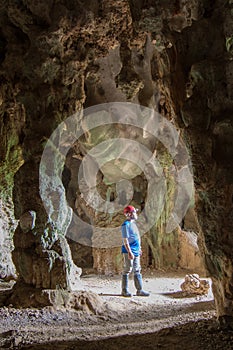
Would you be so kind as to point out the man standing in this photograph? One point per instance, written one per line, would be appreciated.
(131, 249)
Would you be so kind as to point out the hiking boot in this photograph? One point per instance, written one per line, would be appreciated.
(125, 282)
(142, 293)
(138, 285)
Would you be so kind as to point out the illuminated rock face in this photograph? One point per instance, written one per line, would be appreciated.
(173, 56)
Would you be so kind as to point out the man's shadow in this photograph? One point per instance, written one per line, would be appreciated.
(110, 295)
(180, 295)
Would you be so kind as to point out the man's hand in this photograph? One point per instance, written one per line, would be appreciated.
(130, 256)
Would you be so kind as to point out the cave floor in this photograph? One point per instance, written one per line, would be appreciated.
(167, 319)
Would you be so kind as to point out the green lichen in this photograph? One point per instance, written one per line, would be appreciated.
(229, 43)
(157, 238)
(52, 256)
(204, 196)
(131, 89)
(213, 264)
(49, 70)
(13, 160)
(150, 23)
(49, 236)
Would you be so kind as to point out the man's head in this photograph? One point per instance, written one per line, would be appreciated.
(130, 212)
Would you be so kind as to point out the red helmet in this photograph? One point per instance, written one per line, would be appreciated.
(129, 209)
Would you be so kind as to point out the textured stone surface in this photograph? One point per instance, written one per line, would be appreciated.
(189, 252)
(193, 284)
(26, 296)
(7, 226)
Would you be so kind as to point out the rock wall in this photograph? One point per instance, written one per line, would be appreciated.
(12, 121)
(203, 53)
(57, 57)
(29, 69)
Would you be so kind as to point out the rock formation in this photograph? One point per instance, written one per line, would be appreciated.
(58, 57)
(194, 285)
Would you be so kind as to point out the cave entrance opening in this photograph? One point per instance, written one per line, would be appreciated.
(161, 250)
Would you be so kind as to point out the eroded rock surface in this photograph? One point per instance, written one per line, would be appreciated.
(193, 284)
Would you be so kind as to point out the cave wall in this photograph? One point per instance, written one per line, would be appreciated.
(30, 69)
(206, 111)
(59, 56)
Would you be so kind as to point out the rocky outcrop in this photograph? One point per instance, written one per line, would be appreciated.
(189, 252)
(194, 285)
(205, 112)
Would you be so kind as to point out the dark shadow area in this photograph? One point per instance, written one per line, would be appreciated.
(110, 295)
(180, 295)
(190, 336)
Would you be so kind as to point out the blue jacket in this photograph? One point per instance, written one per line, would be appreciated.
(129, 230)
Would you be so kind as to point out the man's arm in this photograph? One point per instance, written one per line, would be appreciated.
(127, 247)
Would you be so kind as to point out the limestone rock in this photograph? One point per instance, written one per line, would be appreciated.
(27, 296)
(27, 220)
(87, 301)
(107, 261)
(194, 285)
(189, 252)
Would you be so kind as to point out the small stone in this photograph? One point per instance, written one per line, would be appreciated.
(194, 285)
(27, 220)
(17, 341)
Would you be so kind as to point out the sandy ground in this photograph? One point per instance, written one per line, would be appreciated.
(167, 319)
